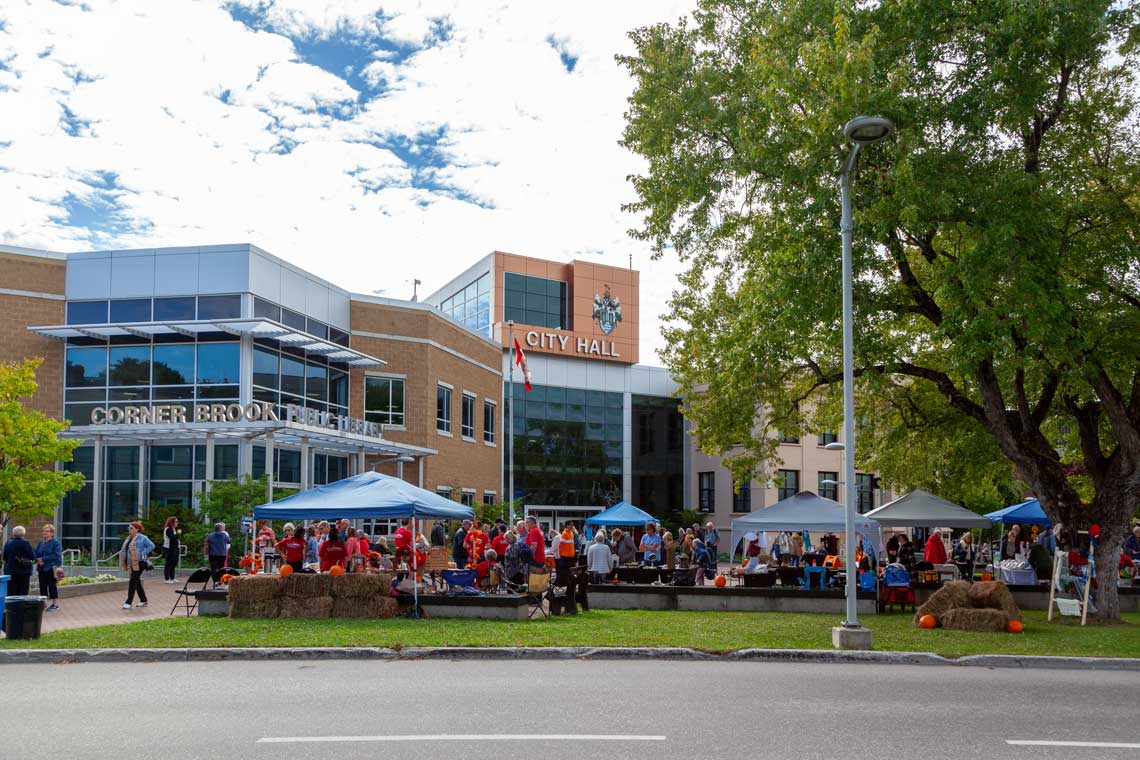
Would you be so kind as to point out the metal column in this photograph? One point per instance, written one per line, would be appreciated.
(142, 502)
(421, 461)
(306, 466)
(269, 474)
(209, 460)
(97, 499)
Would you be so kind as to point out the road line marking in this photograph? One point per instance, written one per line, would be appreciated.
(462, 738)
(1046, 743)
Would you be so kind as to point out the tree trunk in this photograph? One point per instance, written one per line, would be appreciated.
(1113, 523)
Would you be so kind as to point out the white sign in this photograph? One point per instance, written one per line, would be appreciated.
(582, 345)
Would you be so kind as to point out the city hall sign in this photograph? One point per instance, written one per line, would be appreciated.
(258, 411)
(582, 345)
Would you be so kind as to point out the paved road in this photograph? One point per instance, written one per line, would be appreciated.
(178, 711)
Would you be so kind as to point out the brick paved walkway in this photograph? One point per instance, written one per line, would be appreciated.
(106, 608)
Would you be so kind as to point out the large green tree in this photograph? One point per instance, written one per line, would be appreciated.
(997, 307)
(30, 445)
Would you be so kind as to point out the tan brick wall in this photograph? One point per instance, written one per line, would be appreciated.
(459, 463)
(17, 312)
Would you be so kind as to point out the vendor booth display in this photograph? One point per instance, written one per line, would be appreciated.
(962, 606)
(804, 511)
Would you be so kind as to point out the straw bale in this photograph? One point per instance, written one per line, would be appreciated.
(269, 608)
(952, 595)
(306, 585)
(977, 620)
(358, 585)
(311, 607)
(994, 595)
(254, 588)
(384, 607)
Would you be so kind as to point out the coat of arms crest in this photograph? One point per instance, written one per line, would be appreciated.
(607, 311)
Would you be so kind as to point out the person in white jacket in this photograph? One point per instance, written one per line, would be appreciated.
(599, 559)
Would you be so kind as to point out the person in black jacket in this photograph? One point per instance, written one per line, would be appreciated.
(438, 534)
(171, 537)
(458, 550)
(19, 561)
(906, 553)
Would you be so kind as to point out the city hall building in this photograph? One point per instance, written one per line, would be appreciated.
(181, 366)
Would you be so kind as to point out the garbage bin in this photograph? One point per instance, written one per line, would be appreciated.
(23, 616)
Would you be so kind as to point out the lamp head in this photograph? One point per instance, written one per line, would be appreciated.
(868, 129)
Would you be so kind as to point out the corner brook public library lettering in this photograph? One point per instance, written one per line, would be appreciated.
(181, 366)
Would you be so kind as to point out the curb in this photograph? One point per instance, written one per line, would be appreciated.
(819, 656)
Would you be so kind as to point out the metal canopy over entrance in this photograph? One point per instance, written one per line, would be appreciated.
(256, 328)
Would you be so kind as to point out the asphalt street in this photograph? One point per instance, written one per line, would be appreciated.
(648, 710)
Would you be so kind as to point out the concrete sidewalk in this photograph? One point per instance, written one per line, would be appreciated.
(106, 608)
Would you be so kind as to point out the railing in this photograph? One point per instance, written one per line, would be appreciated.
(73, 555)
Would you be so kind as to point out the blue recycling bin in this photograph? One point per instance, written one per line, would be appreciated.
(4, 588)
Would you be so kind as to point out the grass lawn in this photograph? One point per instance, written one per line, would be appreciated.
(707, 631)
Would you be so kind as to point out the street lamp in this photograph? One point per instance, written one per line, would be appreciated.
(862, 130)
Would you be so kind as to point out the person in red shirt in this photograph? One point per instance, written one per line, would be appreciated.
(332, 552)
(536, 541)
(402, 539)
(483, 569)
(499, 542)
(935, 552)
(292, 547)
(475, 543)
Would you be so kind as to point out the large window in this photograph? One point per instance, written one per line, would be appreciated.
(286, 376)
(534, 301)
(658, 460)
(384, 400)
(829, 490)
(706, 492)
(443, 409)
(471, 306)
(825, 438)
(467, 428)
(865, 492)
(742, 497)
(181, 308)
(788, 482)
(568, 446)
(489, 422)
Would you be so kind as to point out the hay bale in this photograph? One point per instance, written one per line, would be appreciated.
(307, 608)
(254, 588)
(359, 585)
(306, 585)
(977, 620)
(994, 595)
(372, 607)
(952, 595)
(269, 608)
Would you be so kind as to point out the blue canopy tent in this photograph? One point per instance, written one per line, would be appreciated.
(370, 495)
(1028, 512)
(622, 513)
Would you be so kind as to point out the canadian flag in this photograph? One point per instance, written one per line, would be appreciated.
(520, 360)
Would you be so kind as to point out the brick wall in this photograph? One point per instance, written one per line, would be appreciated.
(17, 312)
(422, 348)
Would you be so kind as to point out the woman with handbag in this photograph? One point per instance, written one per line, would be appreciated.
(49, 561)
(133, 559)
(19, 559)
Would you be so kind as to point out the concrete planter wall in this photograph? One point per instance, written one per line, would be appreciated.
(735, 599)
(85, 589)
(485, 607)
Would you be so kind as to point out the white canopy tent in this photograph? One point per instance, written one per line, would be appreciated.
(922, 509)
(804, 511)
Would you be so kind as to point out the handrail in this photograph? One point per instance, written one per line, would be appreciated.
(74, 554)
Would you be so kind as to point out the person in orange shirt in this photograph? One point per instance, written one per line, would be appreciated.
(565, 554)
(475, 542)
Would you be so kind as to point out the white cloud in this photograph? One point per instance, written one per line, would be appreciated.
(217, 133)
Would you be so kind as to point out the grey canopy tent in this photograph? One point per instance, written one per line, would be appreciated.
(804, 511)
(922, 509)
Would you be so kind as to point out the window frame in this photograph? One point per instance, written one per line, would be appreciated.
(832, 492)
(706, 493)
(377, 415)
(490, 410)
(782, 488)
(742, 497)
(467, 416)
(443, 410)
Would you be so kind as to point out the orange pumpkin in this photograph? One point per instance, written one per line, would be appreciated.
(1014, 626)
(336, 570)
(286, 570)
(226, 579)
(927, 621)
(720, 581)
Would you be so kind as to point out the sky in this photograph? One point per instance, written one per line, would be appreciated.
(370, 143)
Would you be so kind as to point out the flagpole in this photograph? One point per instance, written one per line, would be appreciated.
(511, 424)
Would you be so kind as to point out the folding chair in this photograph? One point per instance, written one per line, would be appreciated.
(217, 575)
(538, 583)
(185, 594)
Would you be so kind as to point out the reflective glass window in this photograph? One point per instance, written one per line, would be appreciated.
(174, 309)
(218, 363)
(266, 309)
(122, 463)
(266, 365)
(174, 364)
(317, 385)
(338, 387)
(86, 312)
(171, 462)
(130, 310)
(86, 367)
(468, 417)
(443, 409)
(293, 319)
(219, 307)
(171, 494)
(130, 365)
(292, 376)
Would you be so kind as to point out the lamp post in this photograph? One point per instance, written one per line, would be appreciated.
(862, 130)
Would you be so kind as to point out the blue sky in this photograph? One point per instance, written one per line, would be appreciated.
(372, 143)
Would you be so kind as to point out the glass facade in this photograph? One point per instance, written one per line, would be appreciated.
(658, 460)
(471, 306)
(123, 310)
(568, 446)
(177, 369)
(534, 301)
(283, 375)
